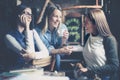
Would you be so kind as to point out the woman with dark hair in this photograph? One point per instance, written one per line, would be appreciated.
(24, 44)
(100, 51)
(49, 30)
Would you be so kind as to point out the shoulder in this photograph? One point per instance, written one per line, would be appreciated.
(37, 29)
(35, 32)
(12, 33)
(110, 42)
(63, 25)
(110, 39)
(9, 37)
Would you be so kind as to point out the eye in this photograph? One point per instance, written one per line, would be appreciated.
(27, 13)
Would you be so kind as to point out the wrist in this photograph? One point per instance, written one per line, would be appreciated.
(64, 45)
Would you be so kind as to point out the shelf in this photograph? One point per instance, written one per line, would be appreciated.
(83, 6)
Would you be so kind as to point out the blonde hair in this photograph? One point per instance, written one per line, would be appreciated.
(98, 18)
(45, 26)
(48, 12)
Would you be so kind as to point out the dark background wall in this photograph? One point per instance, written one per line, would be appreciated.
(7, 8)
(113, 19)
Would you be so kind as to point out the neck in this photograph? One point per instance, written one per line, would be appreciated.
(20, 28)
(94, 34)
(51, 28)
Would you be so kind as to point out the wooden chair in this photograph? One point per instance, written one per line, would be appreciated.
(43, 62)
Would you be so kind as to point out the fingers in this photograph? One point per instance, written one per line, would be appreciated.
(26, 58)
(66, 50)
(84, 69)
(81, 68)
(23, 51)
(25, 20)
(66, 34)
(29, 56)
(79, 65)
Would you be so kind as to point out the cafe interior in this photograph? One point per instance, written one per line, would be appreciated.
(73, 17)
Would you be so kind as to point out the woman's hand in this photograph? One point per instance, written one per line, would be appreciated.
(65, 50)
(81, 68)
(28, 56)
(84, 69)
(65, 36)
(25, 20)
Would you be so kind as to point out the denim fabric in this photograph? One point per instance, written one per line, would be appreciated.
(52, 41)
(19, 37)
(57, 66)
(16, 60)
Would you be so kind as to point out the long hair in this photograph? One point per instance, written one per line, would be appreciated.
(49, 10)
(98, 18)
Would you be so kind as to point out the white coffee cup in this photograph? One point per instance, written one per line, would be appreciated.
(62, 28)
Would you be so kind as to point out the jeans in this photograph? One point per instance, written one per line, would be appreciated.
(57, 66)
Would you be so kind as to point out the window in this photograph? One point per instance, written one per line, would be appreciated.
(74, 24)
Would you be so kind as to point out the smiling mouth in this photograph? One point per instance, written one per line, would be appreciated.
(56, 22)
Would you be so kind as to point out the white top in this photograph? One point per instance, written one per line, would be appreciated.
(93, 52)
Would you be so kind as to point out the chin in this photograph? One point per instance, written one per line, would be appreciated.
(87, 32)
(56, 26)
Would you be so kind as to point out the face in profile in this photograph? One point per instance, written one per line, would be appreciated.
(89, 26)
(55, 18)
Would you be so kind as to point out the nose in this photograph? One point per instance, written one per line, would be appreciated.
(58, 19)
(84, 24)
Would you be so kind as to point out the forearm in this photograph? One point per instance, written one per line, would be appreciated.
(39, 55)
(29, 41)
(104, 70)
(63, 50)
(43, 51)
(55, 51)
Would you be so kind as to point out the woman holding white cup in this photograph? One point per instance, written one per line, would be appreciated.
(63, 33)
(53, 33)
